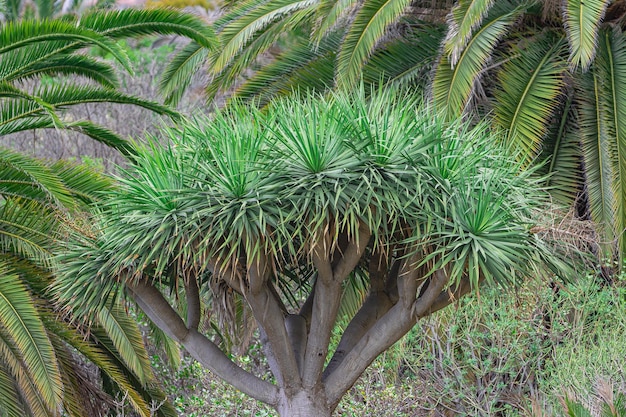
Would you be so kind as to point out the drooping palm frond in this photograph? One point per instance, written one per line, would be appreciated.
(81, 394)
(529, 85)
(125, 335)
(74, 65)
(28, 395)
(406, 61)
(27, 33)
(561, 151)
(609, 72)
(300, 66)
(180, 70)
(464, 18)
(363, 33)
(11, 402)
(237, 33)
(582, 21)
(101, 351)
(452, 87)
(20, 321)
(598, 147)
(328, 14)
(126, 23)
(33, 111)
(84, 184)
(257, 45)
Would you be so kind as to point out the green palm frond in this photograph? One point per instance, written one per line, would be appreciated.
(102, 135)
(78, 65)
(610, 70)
(300, 66)
(16, 35)
(83, 183)
(365, 31)
(582, 23)
(180, 70)
(561, 148)
(328, 15)
(598, 148)
(29, 178)
(237, 33)
(131, 22)
(21, 322)
(79, 396)
(452, 87)
(29, 396)
(61, 96)
(10, 401)
(101, 351)
(529, 87)
(464, 18)
(170, 347)
(125, 335)
(404, 62)
(26, 231)
(258, 44)
(45, 57)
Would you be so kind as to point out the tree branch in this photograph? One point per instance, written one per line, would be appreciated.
(270, 317)
(326, 301)
(384, 333)
(374, 306)
(156, 307)
(447, 297)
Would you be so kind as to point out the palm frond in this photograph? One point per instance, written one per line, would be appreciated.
(82, 395)
(180, 70)
(582, 21)
(82, 182)
(529, 86)
(29, 396)
(610, 64)
(598, 147)
(69, 65)
(29, 178)
(102, 353)
(300, 66)
(452, 87)
(406, 61)
(26, 230)
(328, 14)
(131, 22)
(562, 150)
(102, 135)
(237, 33)
(125, 335)
(61, 96)
(16, 35)
(22, 324)
(10, 400)
(259, 43)
(464, 18)
(365, 31)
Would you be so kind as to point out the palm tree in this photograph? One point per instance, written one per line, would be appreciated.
(47, 362)
(549, 73)
(31, 49)
(308, 196)
(46, 359)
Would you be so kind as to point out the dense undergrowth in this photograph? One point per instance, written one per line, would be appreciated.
(498, 353)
